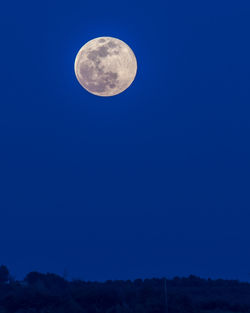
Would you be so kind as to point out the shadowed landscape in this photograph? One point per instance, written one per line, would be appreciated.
(51, 293)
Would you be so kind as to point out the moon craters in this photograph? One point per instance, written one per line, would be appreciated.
(105, 66)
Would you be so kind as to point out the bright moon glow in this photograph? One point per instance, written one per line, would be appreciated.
(105, 66)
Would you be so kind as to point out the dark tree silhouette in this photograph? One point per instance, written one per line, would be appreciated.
(4, 274)
(50, 293)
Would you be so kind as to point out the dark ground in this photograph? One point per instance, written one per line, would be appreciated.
(50, 293)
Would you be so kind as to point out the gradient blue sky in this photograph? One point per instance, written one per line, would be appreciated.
(152, 182)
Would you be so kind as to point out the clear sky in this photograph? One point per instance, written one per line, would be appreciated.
(152, 182)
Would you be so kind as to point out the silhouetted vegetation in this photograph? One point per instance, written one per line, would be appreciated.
(50, 293)
(4, 274)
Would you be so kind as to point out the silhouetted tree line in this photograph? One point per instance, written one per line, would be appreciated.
(50, 293)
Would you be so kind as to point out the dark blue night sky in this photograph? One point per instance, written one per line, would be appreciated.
(153, 182)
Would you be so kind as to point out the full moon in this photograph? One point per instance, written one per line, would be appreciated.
(105, 66)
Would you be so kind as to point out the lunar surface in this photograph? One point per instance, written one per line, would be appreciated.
(105, 66)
